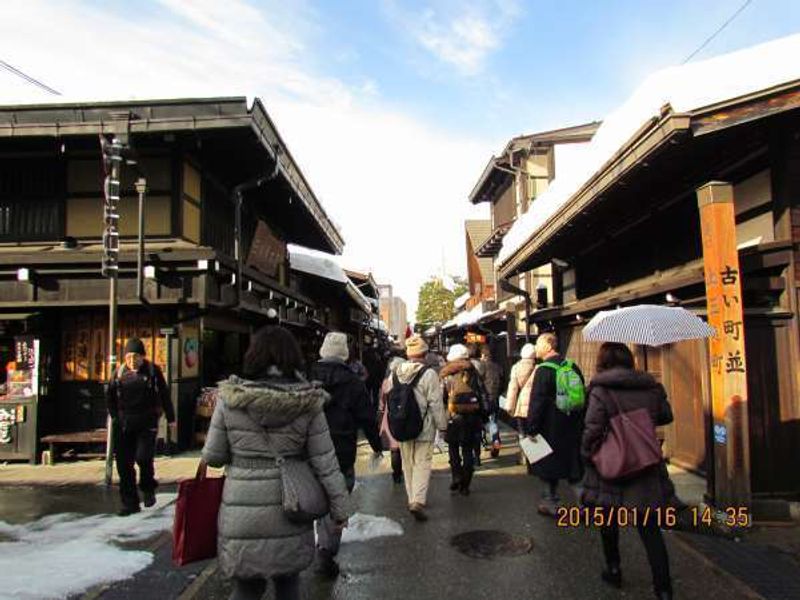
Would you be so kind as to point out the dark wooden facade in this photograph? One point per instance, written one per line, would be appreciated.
(632, 235)
(201, 302)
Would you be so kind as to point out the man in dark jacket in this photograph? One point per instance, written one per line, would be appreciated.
(561, 430)
(348, 410)
(137, 396)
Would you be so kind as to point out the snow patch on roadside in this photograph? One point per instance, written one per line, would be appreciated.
(68, 553)
(364, 527)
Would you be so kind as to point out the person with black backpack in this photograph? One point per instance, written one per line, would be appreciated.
(466, 409)
(414, 413)
(137, 396)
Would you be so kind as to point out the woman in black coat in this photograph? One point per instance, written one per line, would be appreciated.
(618, 386)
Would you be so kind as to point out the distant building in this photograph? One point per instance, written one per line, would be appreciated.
(393, 312)
(510, 184)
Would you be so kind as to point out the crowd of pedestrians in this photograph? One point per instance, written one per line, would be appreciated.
(273, 414)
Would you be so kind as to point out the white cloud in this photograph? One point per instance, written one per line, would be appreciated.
(458, 35)
(396, 185)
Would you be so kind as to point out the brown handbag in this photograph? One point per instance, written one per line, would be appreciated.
(630, 445)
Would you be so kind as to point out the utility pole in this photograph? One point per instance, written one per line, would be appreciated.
(112, 157)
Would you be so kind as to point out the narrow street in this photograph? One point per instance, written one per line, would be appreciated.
(386, 553)
(271, 241)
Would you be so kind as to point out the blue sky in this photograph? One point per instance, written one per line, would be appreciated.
(543, 64)
(391, 107)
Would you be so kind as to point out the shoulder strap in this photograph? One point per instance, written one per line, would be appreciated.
(418, 376)
(271, 452)
(531, 376)
(551, 365)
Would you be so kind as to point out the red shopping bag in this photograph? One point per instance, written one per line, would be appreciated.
(194, 534)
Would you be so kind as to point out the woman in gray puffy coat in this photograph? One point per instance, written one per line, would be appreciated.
(256, 540)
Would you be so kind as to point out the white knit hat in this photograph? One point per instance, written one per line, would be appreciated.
(528, 351)
(335, 346)
(457, 352)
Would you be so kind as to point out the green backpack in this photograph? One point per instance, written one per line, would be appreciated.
(570, 391)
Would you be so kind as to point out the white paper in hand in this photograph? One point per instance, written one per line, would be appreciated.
(503, 402)
(535, 448)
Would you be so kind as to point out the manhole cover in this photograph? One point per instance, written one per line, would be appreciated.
(490, 544)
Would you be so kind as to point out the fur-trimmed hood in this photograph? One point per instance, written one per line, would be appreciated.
(457, 366)
(273, 402)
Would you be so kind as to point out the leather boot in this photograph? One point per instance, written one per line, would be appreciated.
(612, 575)
(326, 564)
(465, 483)
(457, 475)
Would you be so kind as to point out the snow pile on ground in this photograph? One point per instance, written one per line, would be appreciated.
(364, 527)
(64, 554)
(686, 88)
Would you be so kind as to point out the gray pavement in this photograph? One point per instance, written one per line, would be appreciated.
(422, 564)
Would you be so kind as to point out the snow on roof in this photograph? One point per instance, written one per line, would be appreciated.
(316, 263)
(322, 264)
(470, 317)
(459, 302)
(686, 88)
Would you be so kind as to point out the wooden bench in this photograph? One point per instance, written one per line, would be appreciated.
(97, 436)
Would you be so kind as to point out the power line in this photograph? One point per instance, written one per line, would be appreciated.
(14, 71)
(718, 31)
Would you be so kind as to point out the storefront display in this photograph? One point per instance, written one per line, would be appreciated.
(18, 407)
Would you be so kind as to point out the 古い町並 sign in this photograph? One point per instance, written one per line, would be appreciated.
(728, 365)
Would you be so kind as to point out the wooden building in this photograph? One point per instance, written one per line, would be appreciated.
(631, 234)
(510, 183)
(207, 285)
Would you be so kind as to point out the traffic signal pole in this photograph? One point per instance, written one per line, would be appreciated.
(112, 155)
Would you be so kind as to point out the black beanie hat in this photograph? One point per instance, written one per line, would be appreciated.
(134, 345)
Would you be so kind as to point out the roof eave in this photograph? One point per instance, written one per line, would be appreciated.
(265, 129)
(231, 113)
(650, 136)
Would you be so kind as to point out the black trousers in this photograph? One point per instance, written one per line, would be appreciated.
(397, 464)
(134, 446)
(462, 460)
(654, 546)
(287, 587)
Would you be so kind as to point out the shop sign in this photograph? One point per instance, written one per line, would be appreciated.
(23, 381)
(190, 350)
(267, 252)
(475, 338)
(720, 434)
(8, 418)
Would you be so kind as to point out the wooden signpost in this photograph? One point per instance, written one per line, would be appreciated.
(727, 349)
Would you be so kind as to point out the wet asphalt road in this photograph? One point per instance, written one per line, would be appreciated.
(422, 564)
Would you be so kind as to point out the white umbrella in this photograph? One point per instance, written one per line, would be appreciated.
(646, 324)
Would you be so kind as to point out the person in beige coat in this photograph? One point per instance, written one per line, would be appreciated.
(520, 385)
(417, 454)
